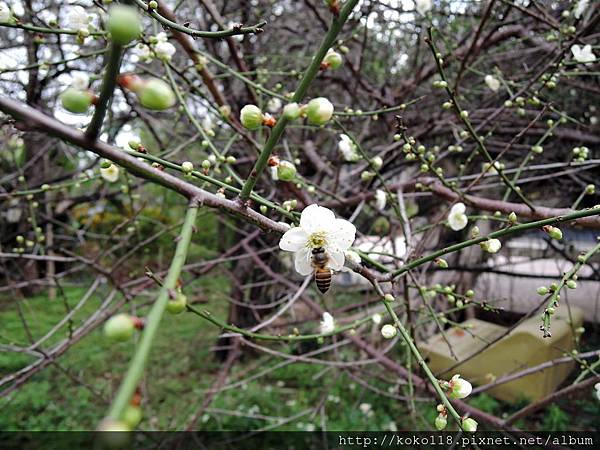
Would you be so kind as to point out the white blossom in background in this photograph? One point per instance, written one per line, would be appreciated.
(110, 173)
(274, 105)
(77, 18)
(492, 82)
(380, 199)
(318, 229)
(422, 6)
(4, 12)
(376, 318)
(347, 149)
(327, 324)
(457, 219)
(80, 81)
(580, 8)
(366, 409)
(583, 54)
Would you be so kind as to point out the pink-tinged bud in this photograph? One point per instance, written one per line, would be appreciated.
(460, 388)
(553, 232)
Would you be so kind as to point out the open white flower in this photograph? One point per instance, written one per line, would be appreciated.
(347, 148)
(327, 324)
(580, 8)
(380, 199)
(422, 6)
(457, 219)
(274, 105)
(80, 81)
(492, 82)
(4, 12)
(318, 229)
(583, 55)
(460, 388)
(110, 173)
(77, 18)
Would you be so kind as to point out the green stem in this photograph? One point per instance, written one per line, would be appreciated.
(138, 363)
(108, 86)
(299, 94)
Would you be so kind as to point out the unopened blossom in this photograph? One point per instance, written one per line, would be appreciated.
(422, 6)
(491, 245)
(352, 256)
(492, 82)
(144, 52)
(460, 388)
(492, 168)
(389, 331)
(164, 50)
(376, 318)
(318, 229)
(4, 12)
(319, 111)
(327, 325)
(347, 148)
(274, 105)
(583, 54)
(580, 8)
(110, 173)
(380, 199)
(77, 18)
(469, 425)
(457, 219)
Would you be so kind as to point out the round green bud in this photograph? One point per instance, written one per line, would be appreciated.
(537, 149)
(508, 104)
(76, 101)
(132, 416)
(446, 105)
(512, 217)
(333, 59)
(571, 284)
(155, 94)
(470, 293)
(388, 298)
(553, 232)
(550, 310)
(263, 209)
(251, 117)
(319, 111)
(440, 422)
(441, 263)
(286, 171)
(178, 304)
(542, 290)
(291, 111)
(119, 327)
(590, 189)
(469, 425)
(187, 167)
(464, 114)
(123, 24)
(153, 4)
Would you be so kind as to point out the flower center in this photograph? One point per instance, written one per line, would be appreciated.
(317, 240)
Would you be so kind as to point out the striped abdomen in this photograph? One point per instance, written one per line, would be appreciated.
(323, 279)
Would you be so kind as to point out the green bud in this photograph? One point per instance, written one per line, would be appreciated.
(590, 189)
(388, 298)
(123, 24)
(441, 263)
(469, 425)
(132, 415)
(251, 117)
(553, 232)
(119, 327)
(333, 59)
(263, 209)
(512, 218)
(286, 171)
(319, 111)
(76, 101)
(542, 290)
(187, 167)
(440, 422)
(178, 304)
(155, 94)
(291, 111)
(571, 284)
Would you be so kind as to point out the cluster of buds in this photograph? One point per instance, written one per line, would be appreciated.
(121, 327)
(580, 153)
(153, 93)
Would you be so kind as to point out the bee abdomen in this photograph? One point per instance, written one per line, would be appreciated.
(323, 279)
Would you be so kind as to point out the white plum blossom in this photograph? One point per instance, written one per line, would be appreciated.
(492, 82)
(77, 18)
(164, 50)
(327, 324)
(80, 81)
(457, 219)
(422, 6)
(460, 388)
(144, 52)
(580, 8)
(347, 148)
(274, 105)
(583, 54)
(4, 12)
(380, 199)
(110, 173)
(376, 318)
(318, 229)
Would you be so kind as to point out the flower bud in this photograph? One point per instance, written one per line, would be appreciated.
(469, 425)
(553, 232)
(178, 304)
(119, 327)
(319, 111)
(291, 111)
(590, 189)
(440, 422)
(377, 162)
(187, 167)
(263, 209)
(441, 263)
(156, 94)
(389, 331)
(571, 284)
(512, 218)
(388, 298)
(286, 171)
(132, 416)
(464, 114)
(491, 245)
(542, 290)
(251, 117)
(333, 60)
(76, 101)
(123, 24)
(460, 388)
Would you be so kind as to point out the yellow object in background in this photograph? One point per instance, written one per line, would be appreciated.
(522, 348)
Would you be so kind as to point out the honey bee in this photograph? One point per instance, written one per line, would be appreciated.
(322, 272)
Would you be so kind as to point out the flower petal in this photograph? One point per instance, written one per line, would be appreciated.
(336, 259)
(458, 208)
(293, 240)
(316, 218)
(341, 234)
(302, 262)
